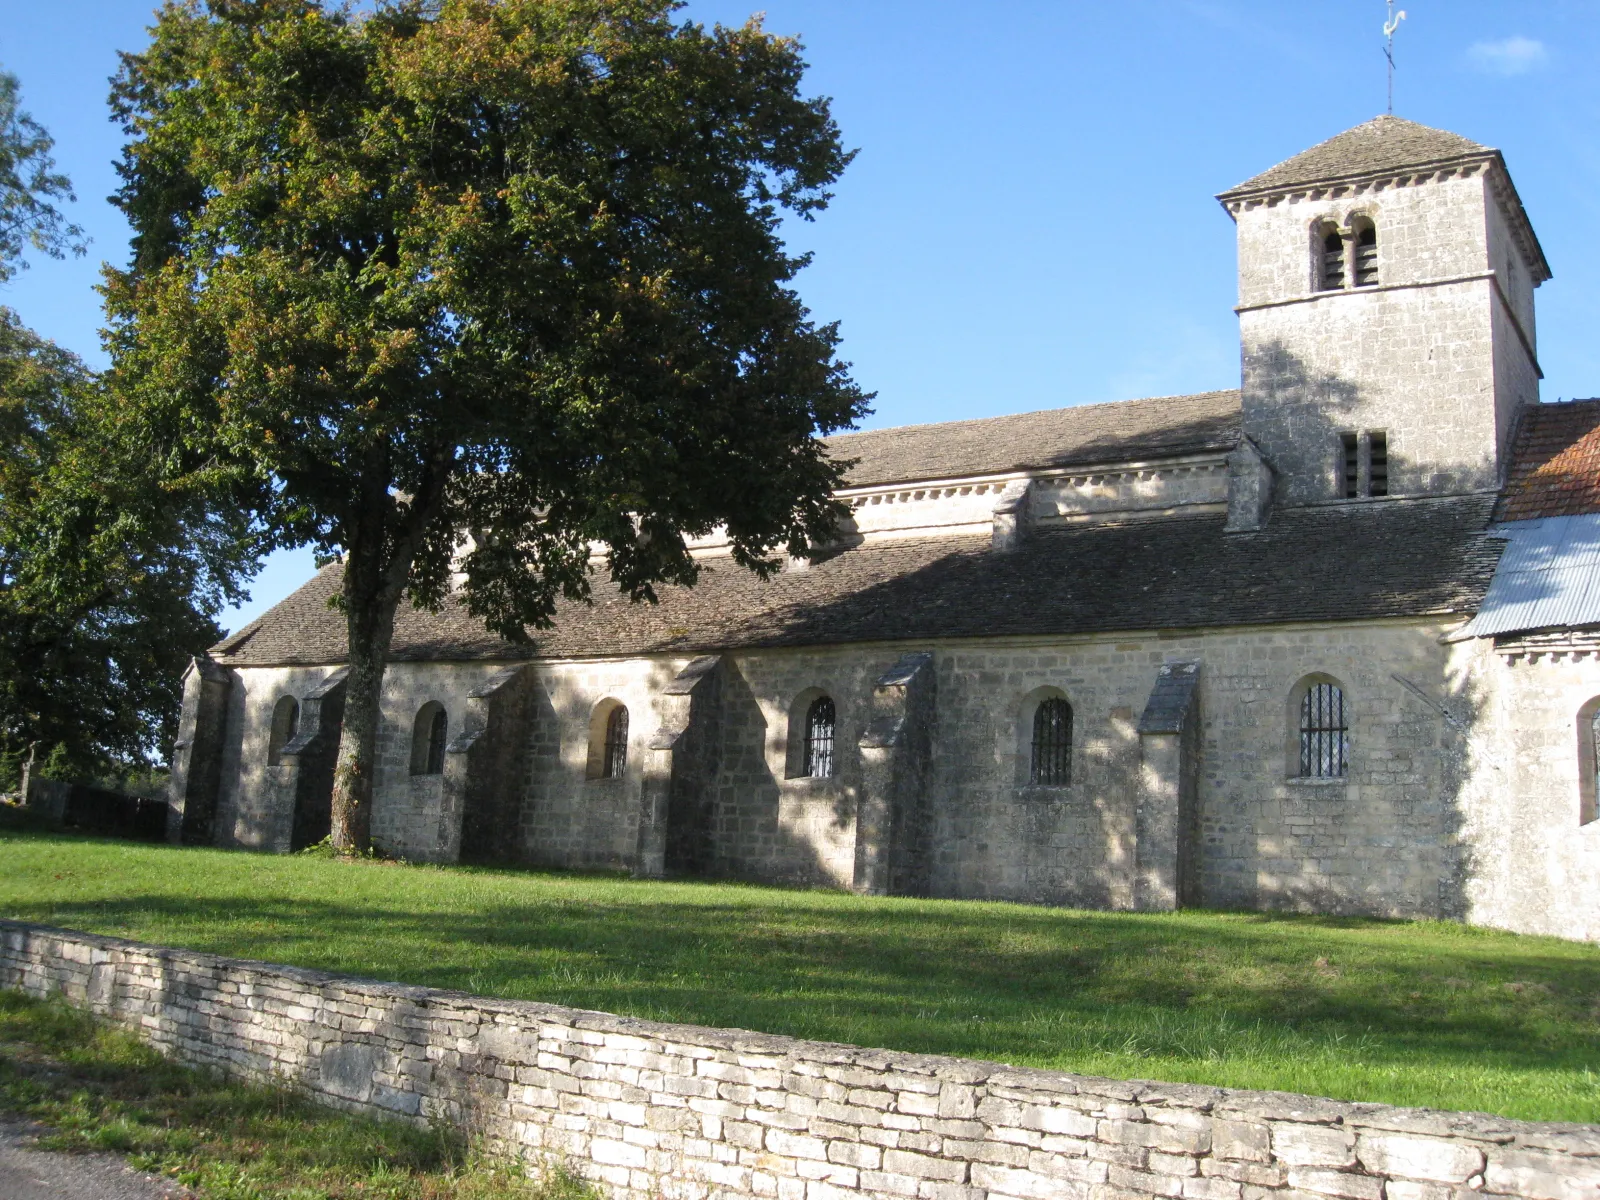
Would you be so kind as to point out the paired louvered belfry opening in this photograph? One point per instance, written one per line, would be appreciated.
(1347, 257)
(1332, 261)
(1366, 464)
(1366, 254)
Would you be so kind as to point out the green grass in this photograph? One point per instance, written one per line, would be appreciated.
(99, 1088)
(1403, 1012)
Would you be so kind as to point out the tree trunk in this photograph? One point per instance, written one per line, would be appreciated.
(369, 622)
(377, 569)
(371, 629)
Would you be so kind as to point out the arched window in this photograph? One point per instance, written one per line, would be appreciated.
(817, 760)
(1324, 732)
(1331, 246)
(1589, 761)
(1594, 773)
(285, 724)
(1366, 251)
(428, 737)
(616, 746)
(1051, 761)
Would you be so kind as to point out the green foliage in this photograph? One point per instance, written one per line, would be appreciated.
(498, 270)
(108, 580)
(1403, 1012)
(99, 1088)
(29, 187)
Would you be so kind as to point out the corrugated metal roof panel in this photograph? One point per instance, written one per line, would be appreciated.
(1548, 577)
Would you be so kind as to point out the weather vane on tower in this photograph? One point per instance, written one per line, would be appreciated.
(1389, 27)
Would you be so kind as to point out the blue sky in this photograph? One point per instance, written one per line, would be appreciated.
(1029, 223)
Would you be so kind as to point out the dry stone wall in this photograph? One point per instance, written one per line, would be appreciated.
(675, 1112)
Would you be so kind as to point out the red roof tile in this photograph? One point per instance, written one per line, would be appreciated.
(1555, 463)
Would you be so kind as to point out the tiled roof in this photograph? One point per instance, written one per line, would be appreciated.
(1384, 143)
(1058, 437)
(1325, 563)
(1555, 462)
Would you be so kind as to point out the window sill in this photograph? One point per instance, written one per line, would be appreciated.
(1043, 791)
(1312, 781)
(819, 782)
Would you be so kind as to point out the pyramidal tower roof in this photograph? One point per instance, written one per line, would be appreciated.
(1384, 143)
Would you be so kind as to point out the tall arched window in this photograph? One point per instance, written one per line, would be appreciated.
(1331, 244)
(1051, 762)
(1324, 732)
(1589, 761)
(616, 746)
(429, 734)
(1366, 251)
(285, 724)
(817, 762)
(1594, 758)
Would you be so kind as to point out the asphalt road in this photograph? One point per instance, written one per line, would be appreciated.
(27, 1173)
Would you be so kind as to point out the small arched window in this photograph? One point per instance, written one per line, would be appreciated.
(428, 737)
(817, 760)
(1331, 247)
(1324, 732)
(615, 763)
(1051, 762)
(1366, 251)
(1589, 761)
(285, 724)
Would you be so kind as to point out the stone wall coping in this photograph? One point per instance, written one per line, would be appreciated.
(780, 1052)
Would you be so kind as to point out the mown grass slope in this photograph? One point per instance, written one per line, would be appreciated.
(1403, 1012)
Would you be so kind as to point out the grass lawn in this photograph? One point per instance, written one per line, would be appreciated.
(98, 1088)
(1404, 1012)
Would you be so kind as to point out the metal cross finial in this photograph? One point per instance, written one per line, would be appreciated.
(1389, 27)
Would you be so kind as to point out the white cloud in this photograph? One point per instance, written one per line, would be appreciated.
(1509, 56)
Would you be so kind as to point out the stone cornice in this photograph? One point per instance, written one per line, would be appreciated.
(1463, 166)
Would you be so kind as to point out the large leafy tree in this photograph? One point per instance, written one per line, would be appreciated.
(108, 581)
(477, 286)
(30, 188)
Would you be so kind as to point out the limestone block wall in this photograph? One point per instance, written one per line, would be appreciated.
(252, 812)
(406, 808)
(679, 1112)
(1531, 862)
(570, 816)
(1417, 363)
(770, 822)
(1439, 355)
(1388, 839)
(1429, 230)
(1381, 841)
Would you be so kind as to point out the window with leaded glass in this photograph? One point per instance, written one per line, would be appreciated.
(817, 762)
(616, 747)
(1324, 733)
(1052, 743)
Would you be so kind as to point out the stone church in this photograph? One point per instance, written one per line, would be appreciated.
(1327, 642)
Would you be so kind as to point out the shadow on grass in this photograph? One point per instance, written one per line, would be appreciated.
(990, 981)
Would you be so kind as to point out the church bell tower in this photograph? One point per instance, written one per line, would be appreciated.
(1386, 319)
